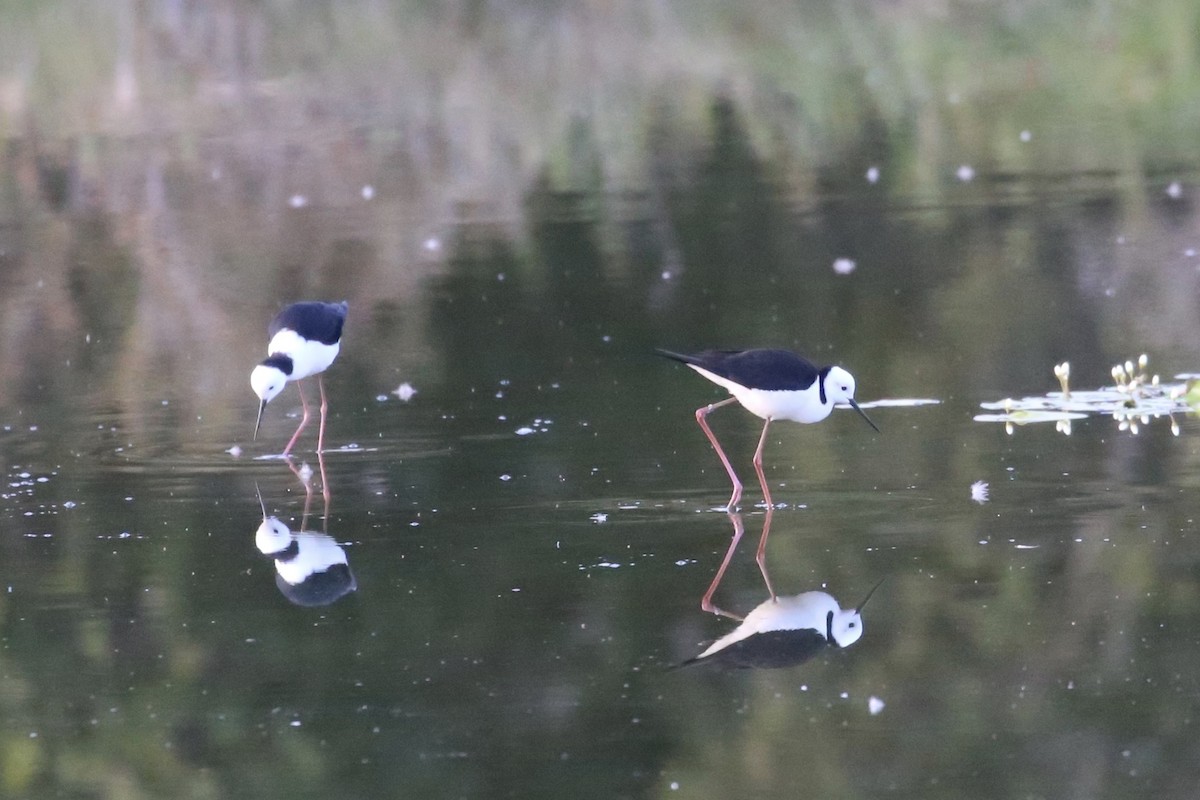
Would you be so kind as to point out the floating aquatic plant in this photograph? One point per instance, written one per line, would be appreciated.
(1136, 398)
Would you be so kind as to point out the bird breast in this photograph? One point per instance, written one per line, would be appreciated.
(308, 358)
(794, 406)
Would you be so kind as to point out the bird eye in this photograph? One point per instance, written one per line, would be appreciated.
(853, 624)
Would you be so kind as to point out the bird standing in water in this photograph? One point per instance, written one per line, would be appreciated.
(304, 340)
(772, 384)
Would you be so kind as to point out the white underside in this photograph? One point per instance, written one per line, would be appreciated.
(797, 406)
(308, 358)
(797, 612)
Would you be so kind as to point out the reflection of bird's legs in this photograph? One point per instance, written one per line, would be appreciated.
(324, 407)
(706, 603)
(762, 479)
(703, 412)
(303, 420)
(324, 490)
(306, 482)
(761, 556)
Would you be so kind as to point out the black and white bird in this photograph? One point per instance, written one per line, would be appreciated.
(311, 568)
(304, 340)
(771, 384)
(787, 631)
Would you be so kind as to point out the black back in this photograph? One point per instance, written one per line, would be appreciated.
(314, 321)
(771, 370)
(768, 650)
(319, 588)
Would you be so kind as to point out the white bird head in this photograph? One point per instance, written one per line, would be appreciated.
(267, 380)
(839, 388)
(272, 535)
(845, 626)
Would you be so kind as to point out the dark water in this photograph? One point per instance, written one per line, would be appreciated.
(530, 534)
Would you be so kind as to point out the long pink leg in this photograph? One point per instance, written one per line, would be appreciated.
(706, 603)
(762, 479)
(324, 407)
(703, 412)
(761, 555)
(303, 421)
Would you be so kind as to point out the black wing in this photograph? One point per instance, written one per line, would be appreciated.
(769, 650)
(315, 321)
(771, 370)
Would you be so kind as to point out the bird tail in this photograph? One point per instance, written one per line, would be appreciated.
(680, 357)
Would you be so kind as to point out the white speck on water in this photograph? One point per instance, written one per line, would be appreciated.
(1190, 252)
(368, 191)
(965, 173)
(666, 274)
(599, 517)
(295, 723)
(405, 391)
(432, 244)
(306, 472)
(1026, 136)
(979, 492)
(674, 786)
(506, 477)
(297, 201)
(875, 705)
(381, 398)
(606, 338)
(844, 695)
(1175, 190)
(844, 266)
(1027, 546)
(524, 430)
(872, 174)
(69, 504)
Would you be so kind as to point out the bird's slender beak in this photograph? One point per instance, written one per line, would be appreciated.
(261, 504)
(263, 405)
(868, 597)
(863, 414)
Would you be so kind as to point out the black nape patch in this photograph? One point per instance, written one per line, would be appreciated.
(280, 362)
(823, 375)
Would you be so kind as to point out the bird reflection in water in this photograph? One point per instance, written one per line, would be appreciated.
(311, 568)
(781, 631)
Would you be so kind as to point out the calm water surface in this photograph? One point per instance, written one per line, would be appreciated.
(529, 535)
